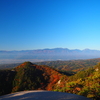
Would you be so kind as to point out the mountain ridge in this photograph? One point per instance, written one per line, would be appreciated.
(86, 49)
(29, 76)
(50, 54)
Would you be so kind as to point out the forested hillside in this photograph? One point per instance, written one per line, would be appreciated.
(71, 65)
(29, 76)
(86, 83)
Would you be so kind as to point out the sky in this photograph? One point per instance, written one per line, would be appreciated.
(40, 24)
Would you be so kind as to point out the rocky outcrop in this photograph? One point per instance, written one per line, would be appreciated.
(42, 95)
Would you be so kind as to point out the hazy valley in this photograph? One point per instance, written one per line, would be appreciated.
(47, 55)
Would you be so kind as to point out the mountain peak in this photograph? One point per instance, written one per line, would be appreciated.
(25, 64)
(28, 63)
(35, 77)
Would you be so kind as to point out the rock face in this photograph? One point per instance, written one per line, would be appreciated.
(42, 95)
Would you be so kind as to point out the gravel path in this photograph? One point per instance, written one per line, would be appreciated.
(42, 95)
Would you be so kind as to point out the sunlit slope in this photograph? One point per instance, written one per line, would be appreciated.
(28, 76)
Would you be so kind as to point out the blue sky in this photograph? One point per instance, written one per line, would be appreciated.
(40, 24)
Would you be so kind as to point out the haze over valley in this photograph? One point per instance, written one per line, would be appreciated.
(47, 55)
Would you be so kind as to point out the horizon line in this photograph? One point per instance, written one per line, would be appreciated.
(51, 49)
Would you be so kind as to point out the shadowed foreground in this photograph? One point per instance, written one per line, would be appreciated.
(42, 95)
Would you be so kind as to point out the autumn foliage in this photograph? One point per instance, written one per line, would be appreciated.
(29, 76)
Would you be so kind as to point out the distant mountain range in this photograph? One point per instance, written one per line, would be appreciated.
(50, 54)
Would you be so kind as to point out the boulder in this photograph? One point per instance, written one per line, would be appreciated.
(42, 95)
